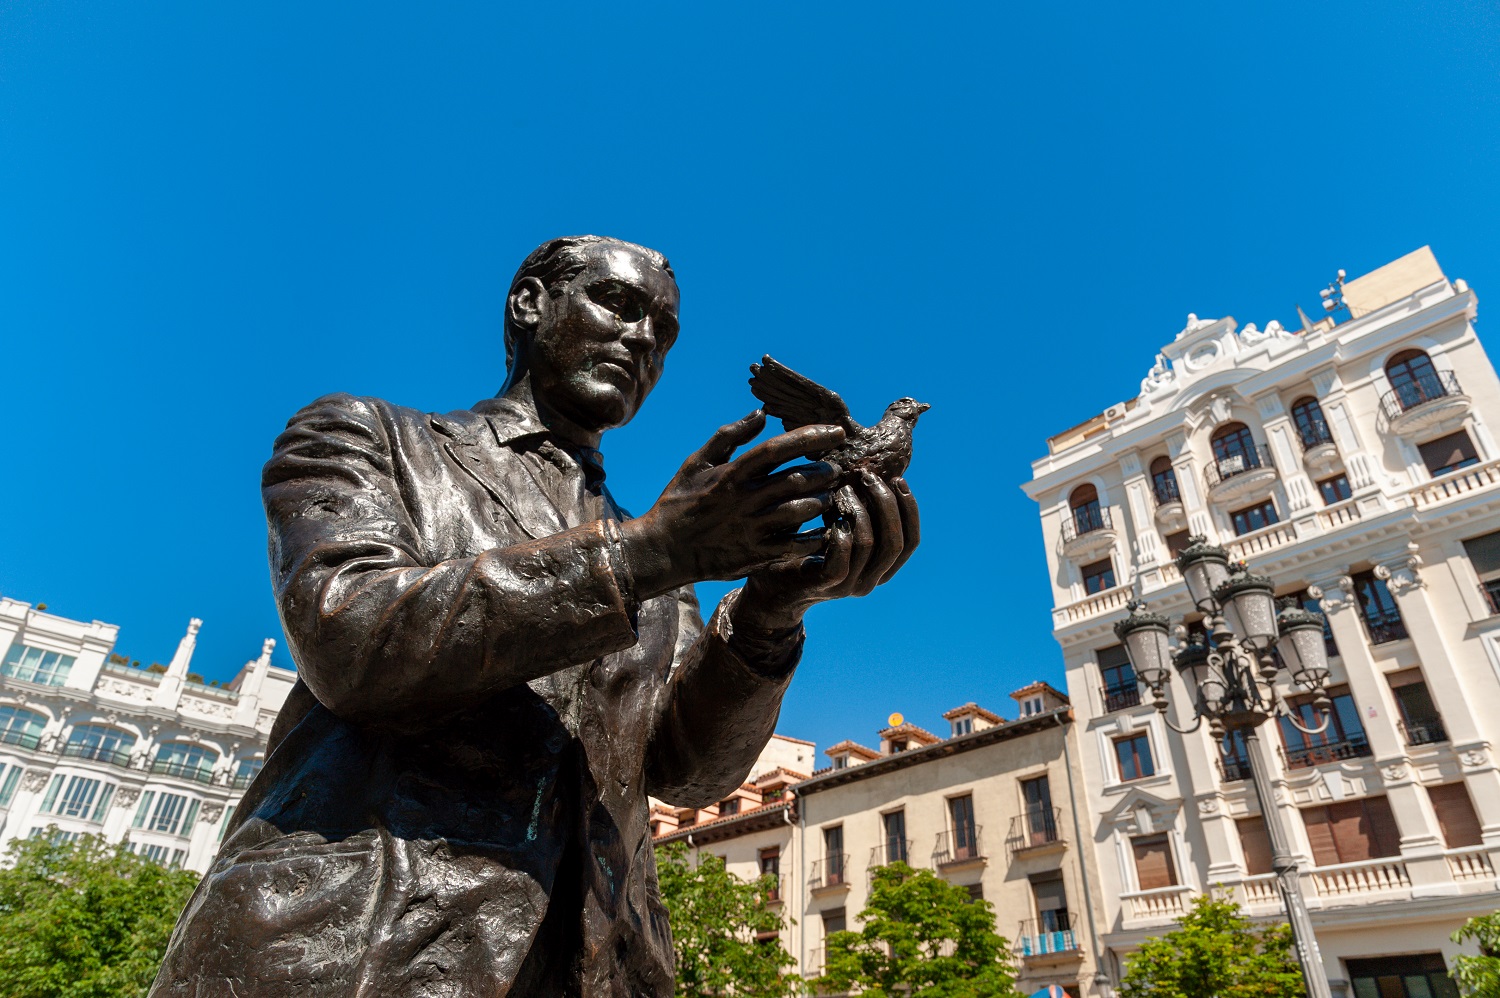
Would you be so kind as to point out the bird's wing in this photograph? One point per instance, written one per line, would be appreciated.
(797, 400)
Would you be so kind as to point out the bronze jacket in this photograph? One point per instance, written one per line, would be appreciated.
(454, 797)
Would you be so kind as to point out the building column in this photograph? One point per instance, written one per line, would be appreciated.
(1145, 543)
(1188, 485)
(1285, 453)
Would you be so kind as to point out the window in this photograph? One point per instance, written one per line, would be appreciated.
(21, 727)
(246, 770)
(965, 832)
(1420, 721)
(8, 787)
(1087, 514)
(1134, 757)
(770, 862)
(1344, 738)
(224, 825)
(1335, 489)
(1031, 706)
(1413, 379)
(84, 798)
(1098, 576)
(833, 921)
(164, 812)
(33, 665)
(841, 762)
(1484, 556)
(1177, 542)
(185, 759)
(1448, 453)
(833, 854)
(1234, 756)
(976, 892)
(100, 742)
(1262, 514)
(1051, 901)
(1164, 481)
(1312, 428)
(1154, 868)
(898, 745)
(1120, 689)
(1351, 831)
(1255, 843)
(1422, 976)
(895, 836)
(1378, 607)
(1234, 450)
(963, 726)
(1040, 816)
(1456, 815)
(728, 807)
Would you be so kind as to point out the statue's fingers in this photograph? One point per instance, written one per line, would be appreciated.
(861, 537)
(728, 438)
(885, 523)
(804, 441)
(911, 526)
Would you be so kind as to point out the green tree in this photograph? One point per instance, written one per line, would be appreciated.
(716, 921)
(84, 919)
(1479, 976)
(922, 937)
(1215, 951)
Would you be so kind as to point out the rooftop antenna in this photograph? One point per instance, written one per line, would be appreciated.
(1333, 297)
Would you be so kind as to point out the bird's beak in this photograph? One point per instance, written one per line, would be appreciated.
(922, 407)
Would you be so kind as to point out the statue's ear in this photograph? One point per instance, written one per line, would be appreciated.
(527, 303)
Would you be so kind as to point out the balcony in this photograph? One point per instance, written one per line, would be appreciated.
(1087, 532)
(1242, 476)
(1170, 514)
(1423, 730)
(957, 849)
(1426, 406)
(97, 753)
(1048, 938)
(1318, 755)
(890, 851)
(1232, 768)
(1377, 876)
(1164, 904)
(1120, 697)
(829, 873)
(24, 739)
(1319, 455)
(1035, 830)
(183, 770)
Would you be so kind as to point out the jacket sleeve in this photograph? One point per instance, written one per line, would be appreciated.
(719, 706)
(384, 639)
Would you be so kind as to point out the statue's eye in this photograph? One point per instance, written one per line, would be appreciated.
(619, 299)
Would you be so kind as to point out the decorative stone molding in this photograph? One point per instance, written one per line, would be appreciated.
(1209, 806)
(127, 796)
(1474, 757)
(34, 780)
(1394, 773)
(1406, 574)
(210, 813)
(1335, 598)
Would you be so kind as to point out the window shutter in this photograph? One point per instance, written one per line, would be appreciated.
(1320, 836)
(1153, 862)
(1484, 553)
(1455, 815)
(1256, 844)
(1446, 452)
(1385, 837)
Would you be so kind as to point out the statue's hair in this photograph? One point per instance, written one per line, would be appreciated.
(555, 263)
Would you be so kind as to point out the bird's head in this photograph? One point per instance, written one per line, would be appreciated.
(908, 409)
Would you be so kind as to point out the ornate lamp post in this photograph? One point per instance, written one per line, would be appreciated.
(1231, 674)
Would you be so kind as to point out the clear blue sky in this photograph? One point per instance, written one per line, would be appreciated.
(213, 213)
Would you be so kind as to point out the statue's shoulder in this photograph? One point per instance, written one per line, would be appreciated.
(360, 409)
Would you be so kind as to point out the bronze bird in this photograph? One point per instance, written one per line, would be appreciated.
(797, 400)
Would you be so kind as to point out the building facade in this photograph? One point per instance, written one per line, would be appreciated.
(986, 804)
(1354, 462)
(90, 744)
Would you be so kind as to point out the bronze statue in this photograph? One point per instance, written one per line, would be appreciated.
(497, 665)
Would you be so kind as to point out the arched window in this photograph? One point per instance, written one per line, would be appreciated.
(21, 727)
(1087, 514)
(1311, 426)
(186, 759)
(246, 770)
(101, 742)
(1164, 481)
(1234, 449)
(1413, 378)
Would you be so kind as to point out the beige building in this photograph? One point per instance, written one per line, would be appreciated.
(1353, 461)
(985, 803)
(153, 756)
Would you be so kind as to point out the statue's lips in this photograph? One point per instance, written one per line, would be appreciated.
(617, 372)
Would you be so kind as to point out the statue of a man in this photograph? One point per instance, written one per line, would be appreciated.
(497, 665)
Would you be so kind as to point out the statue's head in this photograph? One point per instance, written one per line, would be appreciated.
(590, 320)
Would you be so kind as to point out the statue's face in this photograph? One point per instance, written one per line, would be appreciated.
(599, 347)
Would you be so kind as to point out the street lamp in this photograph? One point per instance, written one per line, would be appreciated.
(1231, 672)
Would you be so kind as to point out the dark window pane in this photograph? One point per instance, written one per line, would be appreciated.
(1381, 615)
(1254, 518)
(1335, 489)
(1448, 453)
(1311, 426)
(1098, 576)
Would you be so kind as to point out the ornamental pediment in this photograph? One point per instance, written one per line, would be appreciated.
(1141, 812)
(1210, 348)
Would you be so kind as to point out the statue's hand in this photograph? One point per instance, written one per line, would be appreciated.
(872, 529)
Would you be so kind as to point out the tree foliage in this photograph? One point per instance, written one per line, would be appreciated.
(716, 919)
(1479, 976)
(84, 919)
(1215, 951)
(922, 937)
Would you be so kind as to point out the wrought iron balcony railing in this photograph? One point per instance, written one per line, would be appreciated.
(1165, 490)
(958, 845)
(1234, 768)
(25, 739)
(1086, 520)
(1385, 627)
(1316, 755)
(1314, 433)
(1120, 697)
(1035, 827)
(890, 851)
(830, 871)
(185, 770)
(98, 753)
(1053, 933)
(1226, 467)
(1424, 730)
(1418, 392)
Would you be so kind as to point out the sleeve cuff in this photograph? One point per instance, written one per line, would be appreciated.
(771, 654)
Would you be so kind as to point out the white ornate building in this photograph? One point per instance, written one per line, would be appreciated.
(1354, 462)
(93, 745)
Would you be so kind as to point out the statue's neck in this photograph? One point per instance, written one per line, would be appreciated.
(519, 390)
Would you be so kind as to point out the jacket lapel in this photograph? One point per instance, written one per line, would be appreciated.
(474, 443)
